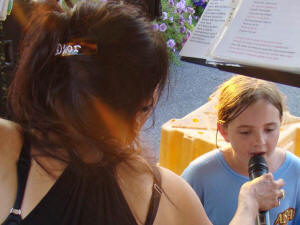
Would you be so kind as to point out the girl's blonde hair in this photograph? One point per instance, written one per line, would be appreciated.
(236, 94)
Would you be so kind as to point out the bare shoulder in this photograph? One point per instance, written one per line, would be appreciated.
(7, 125)
(180, 200)
(10, 145)
(173, 182)
(10, 140)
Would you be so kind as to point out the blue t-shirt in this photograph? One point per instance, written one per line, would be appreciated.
(218, 186)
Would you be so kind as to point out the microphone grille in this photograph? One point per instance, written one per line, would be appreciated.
(257, 162)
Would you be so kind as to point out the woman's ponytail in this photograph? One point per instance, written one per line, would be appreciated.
(46, 28)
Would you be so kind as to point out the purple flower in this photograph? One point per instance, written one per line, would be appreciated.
(188, 34)
(190, 10)
(182, 29)
(180, 6)
(164, 15)
(181, 20)
(195, 17)
(201, 3)
(190, 20)
(171, 2)
(163, 27)
(171, 19)
(155, 26)
(186, 37)
(171, 43)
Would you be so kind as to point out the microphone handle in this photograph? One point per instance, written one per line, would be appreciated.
(263, 218)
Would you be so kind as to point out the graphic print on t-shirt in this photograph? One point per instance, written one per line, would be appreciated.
(284, 217)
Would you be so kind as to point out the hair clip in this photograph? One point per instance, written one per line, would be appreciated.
(75, 48)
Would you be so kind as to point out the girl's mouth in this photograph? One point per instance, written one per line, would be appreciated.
(257, 153)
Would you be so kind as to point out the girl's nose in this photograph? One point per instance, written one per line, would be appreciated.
(260, 138)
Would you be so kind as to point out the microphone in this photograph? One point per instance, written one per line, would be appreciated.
(257, 167)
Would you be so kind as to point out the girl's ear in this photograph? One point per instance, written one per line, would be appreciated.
(223, 131)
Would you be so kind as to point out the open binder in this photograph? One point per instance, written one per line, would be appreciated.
(258, 38)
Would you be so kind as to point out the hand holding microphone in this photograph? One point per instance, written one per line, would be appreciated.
(272, 193)
(257, 167)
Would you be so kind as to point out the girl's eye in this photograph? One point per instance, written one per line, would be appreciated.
(270, 129)
(246, 132)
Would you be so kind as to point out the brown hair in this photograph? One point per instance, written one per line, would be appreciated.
(236, 94)
(89, 100)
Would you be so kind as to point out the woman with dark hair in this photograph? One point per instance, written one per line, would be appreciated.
(85, 83)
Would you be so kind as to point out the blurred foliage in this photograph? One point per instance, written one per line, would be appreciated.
(177, 22)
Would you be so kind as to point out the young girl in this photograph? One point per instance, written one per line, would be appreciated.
(86, 81)
(249, 115)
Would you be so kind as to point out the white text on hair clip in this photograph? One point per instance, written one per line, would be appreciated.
(67, 49)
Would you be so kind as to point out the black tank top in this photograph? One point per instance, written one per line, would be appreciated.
(82, 195)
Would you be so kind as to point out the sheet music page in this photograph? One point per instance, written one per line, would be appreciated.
(208, 26)
(263, 33)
